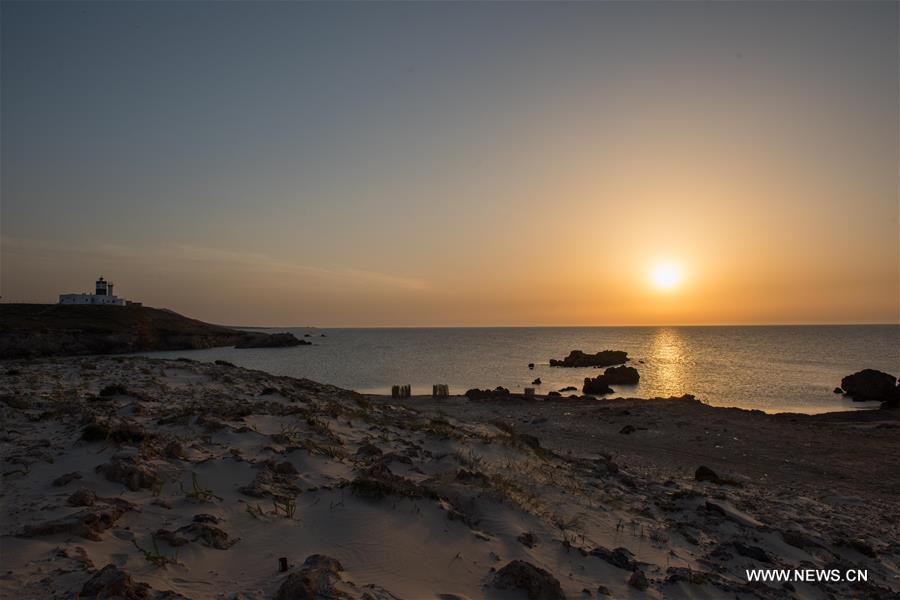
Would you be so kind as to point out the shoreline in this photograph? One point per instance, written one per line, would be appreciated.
(197, 477)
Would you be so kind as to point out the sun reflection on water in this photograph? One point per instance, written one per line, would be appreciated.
(668, 351)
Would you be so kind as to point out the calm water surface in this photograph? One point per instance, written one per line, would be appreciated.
(771, 368)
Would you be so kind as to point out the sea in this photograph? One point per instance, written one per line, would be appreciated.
(769, 368)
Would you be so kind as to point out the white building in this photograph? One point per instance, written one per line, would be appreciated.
(103, 294)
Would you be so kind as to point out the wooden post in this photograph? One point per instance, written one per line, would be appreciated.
(529, 392)
(282, 564)
(395, 391)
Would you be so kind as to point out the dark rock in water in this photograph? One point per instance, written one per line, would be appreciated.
(112, 582)
(554, 394)
(536, 582)
(619, 557)
(315, 579)
(224, 363)
(597, 385)
(838, 390)
(530, 365)
(569, 388)
(527, 539)
(621, 375)
(706, 474)
(271, 340)
(536, 381)
(476, 394)
(872, 385)
(628, 429)
(605, 358)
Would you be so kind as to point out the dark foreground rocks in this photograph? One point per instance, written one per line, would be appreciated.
(535, 581)
(604, 358)
(612, 376)
(871, 385)
(315, 579)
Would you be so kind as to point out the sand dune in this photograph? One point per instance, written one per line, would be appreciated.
(197, 478)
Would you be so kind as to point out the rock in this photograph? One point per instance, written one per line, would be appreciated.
(569, 388)
(596, 385)
(88, 523)
(628, 429)
(838, 390)
(83, 497)
(623, 375)
(208, 535)
(224, 363)
(605, 358)
(527, 539)
(536, 381)
(115, 389)
(496, 393)
(554, 394)
(754, 552)
(536, 582)
(171, 538)
(314, 581)
(619, 557)
(206, 518)
(530, 365)
(706, 474)
(871, 385)
(271, 340)
(638, 581)
(368, 450)
(112, 582)
(129, 470)
(66, 479)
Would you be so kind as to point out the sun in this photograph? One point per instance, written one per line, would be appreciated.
(666, 276)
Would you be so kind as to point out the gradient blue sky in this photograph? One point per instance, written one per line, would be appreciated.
(455, 164)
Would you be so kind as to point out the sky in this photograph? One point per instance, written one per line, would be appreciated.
(455, 164)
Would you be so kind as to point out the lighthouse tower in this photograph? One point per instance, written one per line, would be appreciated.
(104, 288)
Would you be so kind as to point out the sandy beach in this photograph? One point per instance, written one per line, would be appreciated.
(144, 478)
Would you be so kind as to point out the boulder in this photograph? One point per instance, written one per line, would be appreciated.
(706, 474)
(83, 497)
(536, 381)
(623, 375)
(597, 385)
(871, 385)
(112, 582)
(537, 583)
(130, 470)
(315, 580)
(605, 358)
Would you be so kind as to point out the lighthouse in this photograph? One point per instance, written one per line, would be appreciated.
(103, 294)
